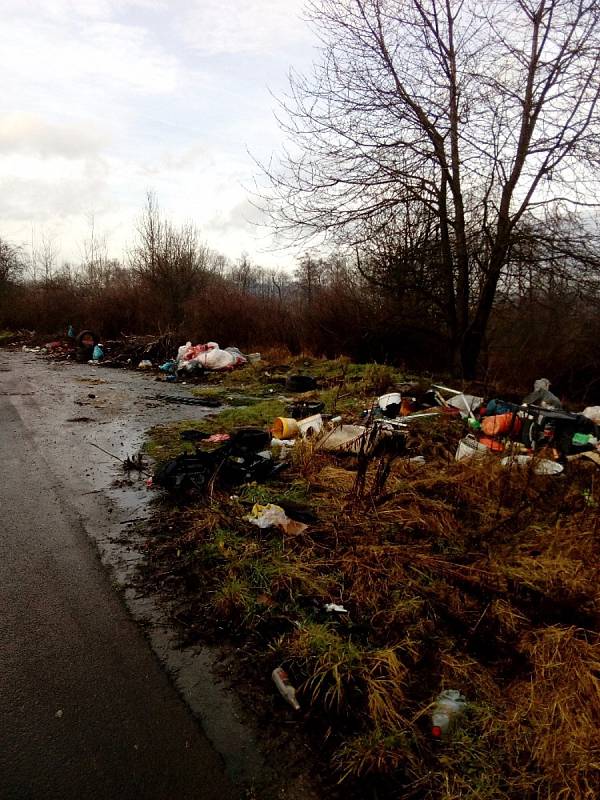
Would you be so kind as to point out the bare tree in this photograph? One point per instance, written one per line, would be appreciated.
(473, 115)
(169, 260)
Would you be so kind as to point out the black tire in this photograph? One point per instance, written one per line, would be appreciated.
(300, 383)
(86, 334)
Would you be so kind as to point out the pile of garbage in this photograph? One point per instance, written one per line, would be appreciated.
(537, 425)
(424, 629)
(144, 353)
(238, 458)
(519, 431)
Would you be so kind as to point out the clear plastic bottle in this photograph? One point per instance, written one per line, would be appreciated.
(286, 690)
(449, 704)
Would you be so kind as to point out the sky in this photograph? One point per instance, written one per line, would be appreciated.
(105, 100)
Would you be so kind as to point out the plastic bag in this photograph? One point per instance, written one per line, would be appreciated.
(273, 516)
(593, 413)
(208, 356)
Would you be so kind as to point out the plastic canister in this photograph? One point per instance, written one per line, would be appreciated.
(285, 428)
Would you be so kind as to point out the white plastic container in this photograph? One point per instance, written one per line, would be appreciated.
(391, 399)
(310, 426)
(345, 438)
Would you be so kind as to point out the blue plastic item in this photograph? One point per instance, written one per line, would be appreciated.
(168, 366)
(98, 353)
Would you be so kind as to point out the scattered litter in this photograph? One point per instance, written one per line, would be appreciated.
(168, 367)
(502, 425)
(390, 404)
(345, 438)
(273, 516)
(145, 364)
(134, 463)
(59, 713)
(449, 705)
(98, 352)
(282, 442)
(584, 440)
(285, 428)
(310, 426)
(241, 458)
(469, 447)
(466, 404)
(286, 690)
(422, 415)
(335, 608)
(593, 413)
(541, 466)
(218, 438)
(541, 396)
(304, 408)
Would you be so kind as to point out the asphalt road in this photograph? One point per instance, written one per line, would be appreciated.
(85, 709)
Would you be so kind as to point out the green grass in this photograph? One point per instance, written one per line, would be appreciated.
(165, 442)
(261, 414)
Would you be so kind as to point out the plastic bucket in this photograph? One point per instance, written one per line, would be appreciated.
(285, 428)
(469, 447)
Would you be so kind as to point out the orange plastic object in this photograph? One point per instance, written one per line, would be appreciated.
(501, 425)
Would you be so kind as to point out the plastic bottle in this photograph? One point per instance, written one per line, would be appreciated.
(448, 706)
(286, 690)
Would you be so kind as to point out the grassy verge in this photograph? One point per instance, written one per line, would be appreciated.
(454, 575)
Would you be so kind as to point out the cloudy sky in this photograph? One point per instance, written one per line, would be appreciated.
(103, 100)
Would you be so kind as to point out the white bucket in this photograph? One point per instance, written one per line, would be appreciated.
(469, 447)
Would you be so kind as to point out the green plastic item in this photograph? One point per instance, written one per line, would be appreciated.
(474, 424)
(581, 438)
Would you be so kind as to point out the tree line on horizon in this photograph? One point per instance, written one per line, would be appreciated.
(442, 172)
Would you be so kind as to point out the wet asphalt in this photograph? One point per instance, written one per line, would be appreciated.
(85, 709)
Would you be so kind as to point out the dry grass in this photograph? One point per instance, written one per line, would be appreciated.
(462, 576)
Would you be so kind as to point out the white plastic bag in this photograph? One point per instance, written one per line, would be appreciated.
(273, 516)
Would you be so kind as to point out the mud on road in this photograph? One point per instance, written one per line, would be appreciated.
(78, 414)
